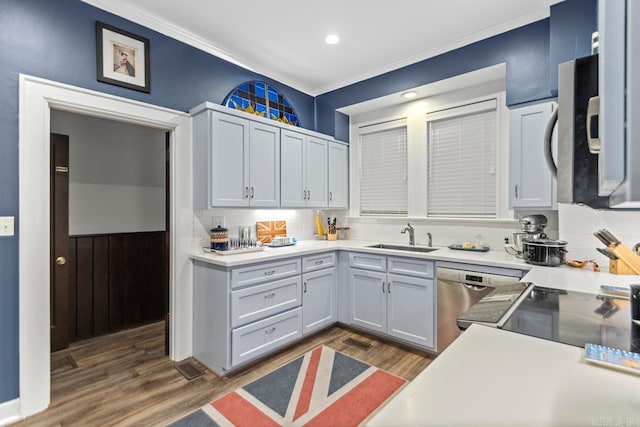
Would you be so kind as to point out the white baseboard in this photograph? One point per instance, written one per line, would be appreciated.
(9, 412)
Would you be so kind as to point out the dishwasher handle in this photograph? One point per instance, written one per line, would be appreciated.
(476, 288)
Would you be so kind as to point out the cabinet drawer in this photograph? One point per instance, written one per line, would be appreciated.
(367, 261)
(260, 301)
(317, 262)
(260, 273)
(411, 266)
(256, 339)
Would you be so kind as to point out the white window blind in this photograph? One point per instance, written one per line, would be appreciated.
(383, 178)
(461, 178)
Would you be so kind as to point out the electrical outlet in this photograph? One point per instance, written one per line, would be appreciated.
(217, 221)
(6, 225)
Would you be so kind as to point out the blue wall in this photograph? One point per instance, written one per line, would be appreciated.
(532, 54)
(525, 50)
(572, 23)
(56, 40)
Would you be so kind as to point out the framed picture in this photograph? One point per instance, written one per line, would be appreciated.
(122, 58)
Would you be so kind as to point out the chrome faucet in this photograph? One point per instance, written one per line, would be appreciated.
(409, 228)
(430, 240)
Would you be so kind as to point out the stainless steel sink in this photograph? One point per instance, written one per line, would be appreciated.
(403, 248)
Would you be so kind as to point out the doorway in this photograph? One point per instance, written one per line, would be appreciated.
(110, 271)
(37, 97)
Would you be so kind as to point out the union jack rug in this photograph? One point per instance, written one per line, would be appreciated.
(321, 388)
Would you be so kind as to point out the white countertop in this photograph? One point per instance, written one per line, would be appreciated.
(494, 258)
(563, 277)
(492, 377)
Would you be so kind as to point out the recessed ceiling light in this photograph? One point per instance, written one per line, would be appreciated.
(332, 39)
(409, 95)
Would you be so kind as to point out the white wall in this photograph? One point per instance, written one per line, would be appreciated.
(578, 223)
(116, 174)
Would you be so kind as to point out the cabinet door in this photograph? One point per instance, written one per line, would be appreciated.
(338, 175)
(316, 172)
(531, 182)
(229, 161)
(368, 299)
(264, 171)
(318, 299)
(411, 312)
(292, 179)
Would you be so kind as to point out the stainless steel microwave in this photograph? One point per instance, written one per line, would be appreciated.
(599, 115)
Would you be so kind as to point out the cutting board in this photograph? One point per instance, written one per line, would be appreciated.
(267, 230)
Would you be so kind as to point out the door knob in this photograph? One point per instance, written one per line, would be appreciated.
(61, 260)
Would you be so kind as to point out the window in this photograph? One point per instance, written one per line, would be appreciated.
(461, 161)
(383, 177)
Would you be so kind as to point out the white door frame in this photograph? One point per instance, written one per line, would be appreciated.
(37, 97)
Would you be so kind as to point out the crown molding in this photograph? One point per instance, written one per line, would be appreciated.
(198, 42)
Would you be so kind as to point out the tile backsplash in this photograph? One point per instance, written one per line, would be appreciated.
(300, 222)
(578, 223)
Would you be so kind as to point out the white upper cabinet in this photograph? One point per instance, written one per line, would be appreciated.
(531, 183)
(236, 162)
(264, 170)
(303, 171)
(338, 176)
(316, 172)
(241, 160)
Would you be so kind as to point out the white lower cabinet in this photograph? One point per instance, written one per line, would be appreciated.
(410, 308)
(318, 299)
(400, 306)
(258, 338)
(243, 313)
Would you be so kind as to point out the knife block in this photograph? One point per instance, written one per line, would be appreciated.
(617, 266)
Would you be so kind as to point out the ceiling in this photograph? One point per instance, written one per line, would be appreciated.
(285, 41)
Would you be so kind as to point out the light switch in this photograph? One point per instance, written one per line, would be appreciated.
(6, 225)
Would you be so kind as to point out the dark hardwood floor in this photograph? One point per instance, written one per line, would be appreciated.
(125, 379)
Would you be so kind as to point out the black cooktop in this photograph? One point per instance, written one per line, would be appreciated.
(575, 318)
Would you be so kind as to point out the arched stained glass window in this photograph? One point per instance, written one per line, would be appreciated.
(263, 100)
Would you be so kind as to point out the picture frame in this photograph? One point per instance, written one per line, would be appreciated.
(122, 58)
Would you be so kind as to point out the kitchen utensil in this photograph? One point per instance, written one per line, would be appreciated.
(517, 241)
(606, 253)
(580, 264)
(545, 252)
(620, 250)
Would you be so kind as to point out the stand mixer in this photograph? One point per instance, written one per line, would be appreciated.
(532, 229)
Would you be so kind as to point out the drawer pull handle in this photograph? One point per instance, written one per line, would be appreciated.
(269, 273)
(319, 262)
(271, 295)
(270, 331)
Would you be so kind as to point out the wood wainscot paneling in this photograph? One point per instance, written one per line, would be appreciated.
(117, 281)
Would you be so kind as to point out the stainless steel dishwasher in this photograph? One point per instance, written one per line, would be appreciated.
(458, 290)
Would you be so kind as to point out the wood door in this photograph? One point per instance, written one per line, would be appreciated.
(59, 243)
